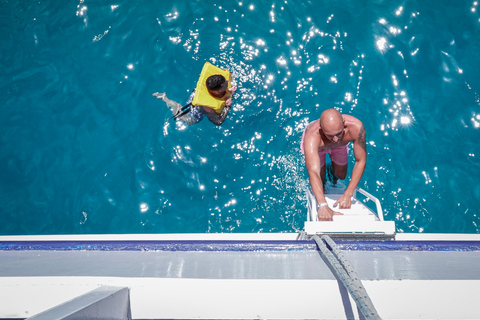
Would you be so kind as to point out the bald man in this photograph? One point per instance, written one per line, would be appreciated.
(332, 134)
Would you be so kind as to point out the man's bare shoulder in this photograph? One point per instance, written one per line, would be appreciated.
(312, 127)
(312, 130)
(353, 125)
(348, 119)
(312, 136)
(356, 131)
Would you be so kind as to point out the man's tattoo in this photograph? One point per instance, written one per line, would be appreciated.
(362, 138)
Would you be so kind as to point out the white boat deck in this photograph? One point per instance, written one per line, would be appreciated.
(218, 279)
(245, 276)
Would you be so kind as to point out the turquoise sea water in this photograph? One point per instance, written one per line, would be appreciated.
(85, 147)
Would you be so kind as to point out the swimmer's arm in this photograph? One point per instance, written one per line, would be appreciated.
(229, 96)
(233, 83)
(312, 162)
(214, 117)
(360, 152)
(228, 102)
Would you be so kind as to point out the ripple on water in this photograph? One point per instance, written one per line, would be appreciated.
(85, 148)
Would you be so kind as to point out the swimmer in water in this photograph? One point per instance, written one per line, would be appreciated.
(332, 134)
(218, 91)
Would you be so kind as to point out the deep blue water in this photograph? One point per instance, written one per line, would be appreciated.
(85, 147)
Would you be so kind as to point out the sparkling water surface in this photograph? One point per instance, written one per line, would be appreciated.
(85, 148)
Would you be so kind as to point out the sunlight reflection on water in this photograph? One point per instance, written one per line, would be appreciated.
(78, 113)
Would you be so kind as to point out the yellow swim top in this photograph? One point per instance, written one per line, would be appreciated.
(202, 96)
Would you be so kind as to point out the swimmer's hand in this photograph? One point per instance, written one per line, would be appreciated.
(326, 214)
(344, 202)
(232, 90)
(158, 95)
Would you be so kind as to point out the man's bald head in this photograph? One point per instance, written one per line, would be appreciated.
(331, 122)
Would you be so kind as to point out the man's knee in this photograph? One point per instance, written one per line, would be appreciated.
(340, 171)
(341, 175)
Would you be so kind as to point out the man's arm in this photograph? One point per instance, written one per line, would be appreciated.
(214, 117)
(312, 162)
(360, 152)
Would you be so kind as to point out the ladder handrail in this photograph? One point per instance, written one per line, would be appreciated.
(374, 199)
(311, 203)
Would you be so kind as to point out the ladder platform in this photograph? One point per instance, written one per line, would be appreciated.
(359, 219)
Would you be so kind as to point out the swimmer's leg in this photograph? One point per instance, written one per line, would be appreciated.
(188, 120)
(338, 172)
(331, 174)
(339, 157)
(175, 106)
